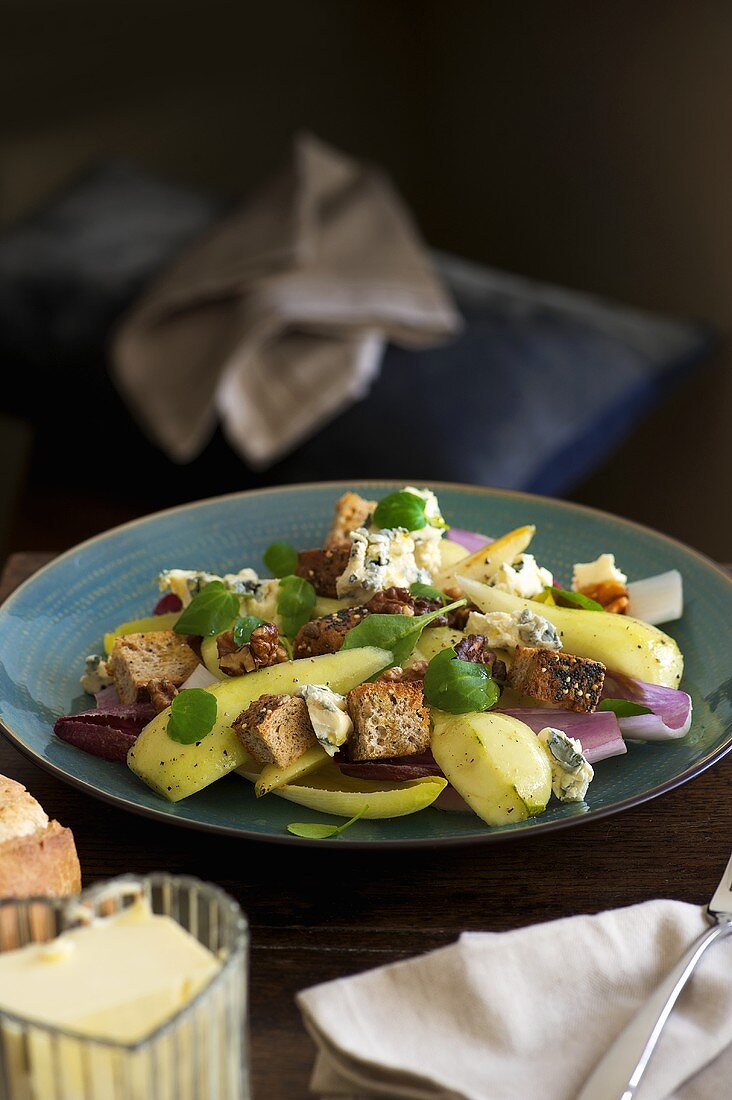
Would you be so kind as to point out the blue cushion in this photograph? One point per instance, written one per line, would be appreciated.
(539, 388)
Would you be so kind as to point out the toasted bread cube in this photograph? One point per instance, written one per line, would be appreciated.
(157, 655)
(276, 729)
(322, 568)
(389, 719)
(325, 635)
(351, 511)
(551, 676)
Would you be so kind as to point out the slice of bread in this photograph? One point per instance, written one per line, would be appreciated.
(37, 856)
(390, 719)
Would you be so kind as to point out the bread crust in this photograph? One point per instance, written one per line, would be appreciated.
(40, 864)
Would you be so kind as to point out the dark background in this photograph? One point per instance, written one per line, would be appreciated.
(584, 144)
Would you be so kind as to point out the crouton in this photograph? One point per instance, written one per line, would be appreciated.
(389, 719)
(551, 676)
(139, 658)
(276, 729)
(322, 568)
(351, 511)
(325, 635)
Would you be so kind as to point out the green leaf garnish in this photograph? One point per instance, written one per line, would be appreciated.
(316, 831)
(401, 510)
(192, 715)
(457, 686)
(574, 599)
(397, 633)
(623, 708)
(243, 627)
(295, 604)
(281, 559)
(427, 591)
(209, 612)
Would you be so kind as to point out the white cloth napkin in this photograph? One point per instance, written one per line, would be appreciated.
(526, 1015)
(276, 321)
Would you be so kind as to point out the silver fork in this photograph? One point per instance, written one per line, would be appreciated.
(618, 1074)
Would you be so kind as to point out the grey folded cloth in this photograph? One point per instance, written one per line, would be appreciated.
(276, 320)
(526, 1015)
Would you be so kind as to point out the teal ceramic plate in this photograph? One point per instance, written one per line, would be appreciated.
(58, 616)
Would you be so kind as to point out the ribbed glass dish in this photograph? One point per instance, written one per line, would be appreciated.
(200, 1054)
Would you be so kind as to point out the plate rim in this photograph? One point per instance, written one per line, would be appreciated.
(491, 836)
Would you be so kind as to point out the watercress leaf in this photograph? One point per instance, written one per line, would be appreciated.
(574, 599)
(281, 559)
(243, 627)
(209, 612)
(316, 831)
(624, 708)
(401, 510)
(428, 591)
(295, 604)
(397, 633)
(457, 686)
(192, 715)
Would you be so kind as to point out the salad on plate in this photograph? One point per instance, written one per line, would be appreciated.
(403, 664)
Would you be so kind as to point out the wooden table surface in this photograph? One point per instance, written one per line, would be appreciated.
(319, 914)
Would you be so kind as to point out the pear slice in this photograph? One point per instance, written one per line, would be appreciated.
(495, 762)
(621, 643)
(176, 771)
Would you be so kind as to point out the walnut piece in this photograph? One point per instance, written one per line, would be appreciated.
(611, 594)
(162, 693)
(263, 649)
(399, 675)
(475, 648)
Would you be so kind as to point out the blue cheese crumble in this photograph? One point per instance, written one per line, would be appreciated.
(328, 715)
(587, 574)
(571, 772)
(508, 629)
(96, 675)
(427, 550)
(187, 583)
(525, 578)
(378, 560)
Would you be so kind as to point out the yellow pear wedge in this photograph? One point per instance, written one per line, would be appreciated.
(623, 644)
(495, 762)
(485, 563)
(176, 771)
(331, 792)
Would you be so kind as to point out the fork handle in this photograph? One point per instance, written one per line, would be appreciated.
(618, 1074)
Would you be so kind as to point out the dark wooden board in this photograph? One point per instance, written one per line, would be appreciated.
(317, 915)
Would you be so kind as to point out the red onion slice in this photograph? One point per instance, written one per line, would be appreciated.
(106, 742)
(471, 540)
(671, 709)
(167, 604)
(598, 733)
(108, 732)
(396, 769)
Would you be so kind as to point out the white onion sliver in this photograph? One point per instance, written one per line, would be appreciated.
(658, 599)
(650, 727)
(199, 678)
